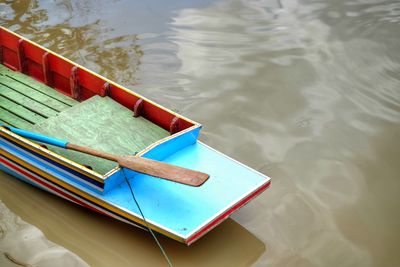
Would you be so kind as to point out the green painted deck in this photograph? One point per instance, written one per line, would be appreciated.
(103, 124)
(98, 122)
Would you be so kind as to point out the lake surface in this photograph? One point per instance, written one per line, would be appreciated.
(307, 92)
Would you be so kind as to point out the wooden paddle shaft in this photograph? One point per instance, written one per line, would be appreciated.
(148, 166)
(91, 151)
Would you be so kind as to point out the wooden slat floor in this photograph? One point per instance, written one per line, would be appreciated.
(25, 101)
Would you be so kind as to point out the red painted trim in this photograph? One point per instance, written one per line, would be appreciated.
(226, 214)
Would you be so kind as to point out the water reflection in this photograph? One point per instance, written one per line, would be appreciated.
(82, 38)
(308, 89)
(305, 91)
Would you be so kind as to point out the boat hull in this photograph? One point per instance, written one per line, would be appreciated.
(178, 211)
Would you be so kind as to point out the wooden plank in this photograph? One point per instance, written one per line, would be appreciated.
(20, 110)
(34, 94)
(25, 101)
(13, 120)
(3, 122)
(38, 86)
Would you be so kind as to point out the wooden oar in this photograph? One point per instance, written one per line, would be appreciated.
(138, 164)
(148, 166)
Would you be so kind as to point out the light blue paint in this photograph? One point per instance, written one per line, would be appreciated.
(184, 208)
(170, 146)
(112, 181)
(39, 137)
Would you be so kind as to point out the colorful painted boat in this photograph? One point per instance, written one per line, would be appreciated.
(43, 92)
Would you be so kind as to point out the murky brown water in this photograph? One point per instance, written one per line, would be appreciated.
(307, 92)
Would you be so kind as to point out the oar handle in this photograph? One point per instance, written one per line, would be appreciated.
(38, 137)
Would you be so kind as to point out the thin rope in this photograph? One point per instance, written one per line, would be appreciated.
(145, 222)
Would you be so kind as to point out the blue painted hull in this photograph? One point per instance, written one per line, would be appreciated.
(181, 212)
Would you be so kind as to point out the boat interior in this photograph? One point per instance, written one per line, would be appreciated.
(46, 93)
(98, 122)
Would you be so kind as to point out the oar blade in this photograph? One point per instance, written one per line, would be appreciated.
(163, 170)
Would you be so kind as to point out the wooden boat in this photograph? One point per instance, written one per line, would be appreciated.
(45, 93)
